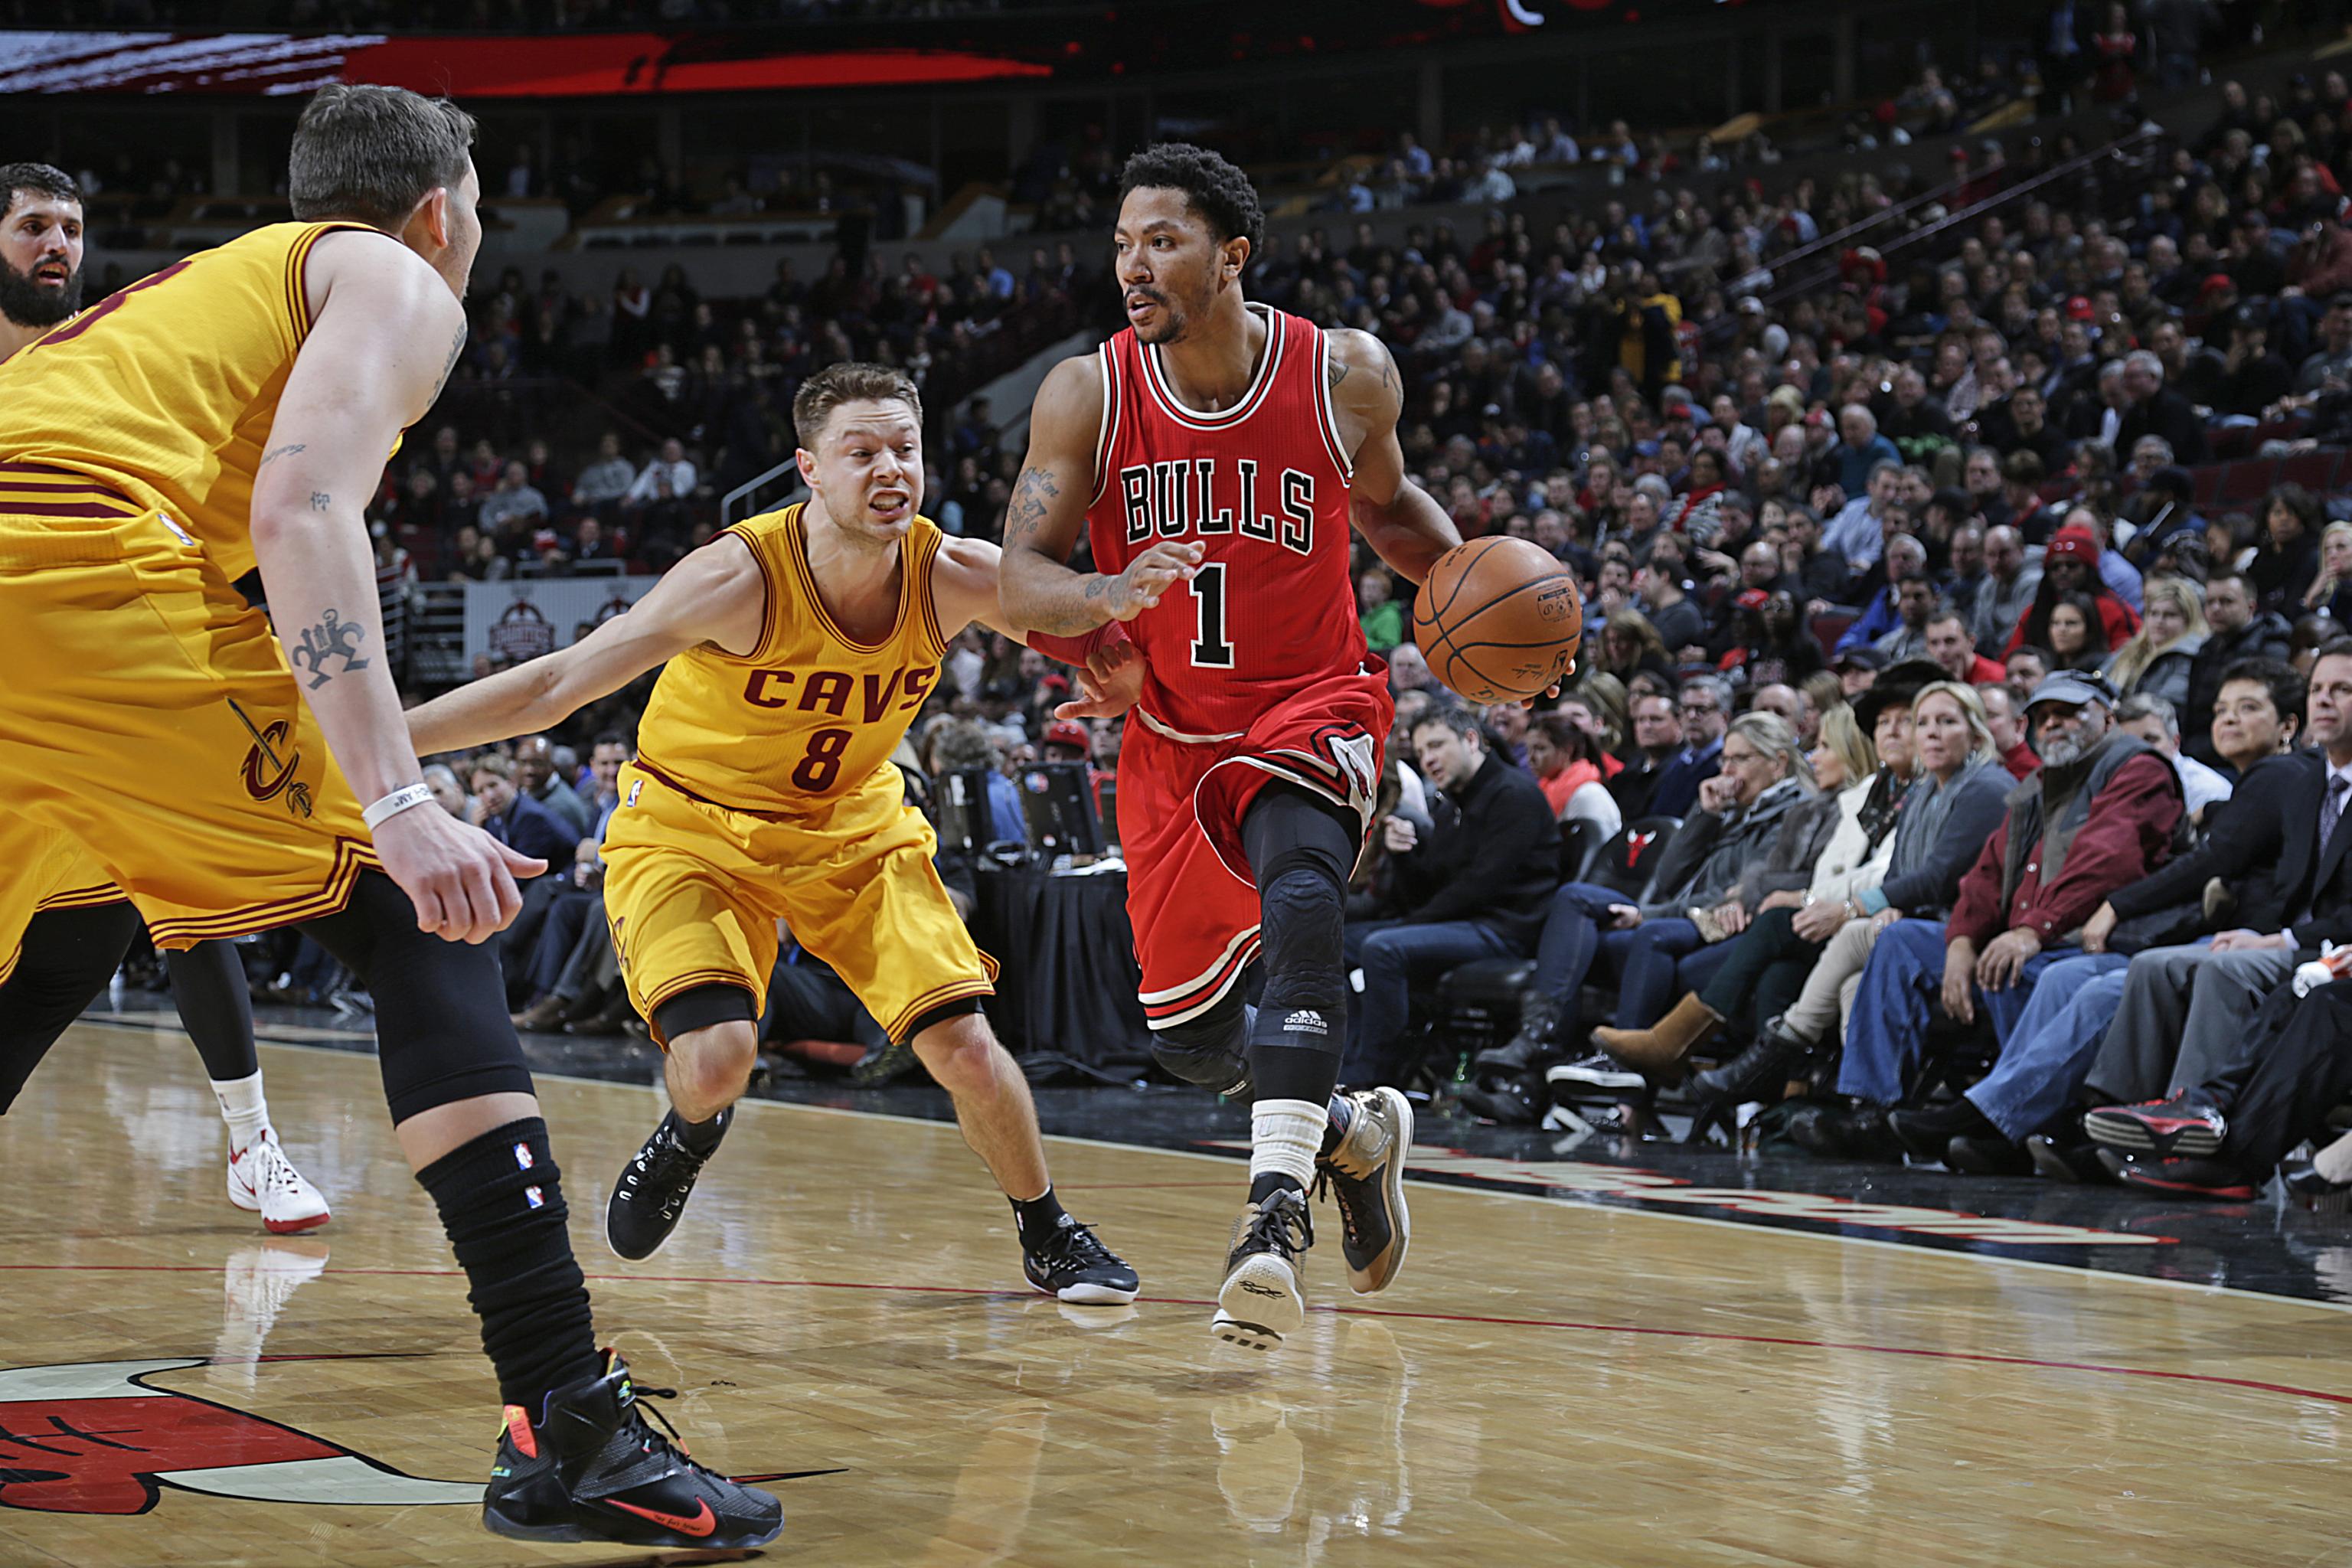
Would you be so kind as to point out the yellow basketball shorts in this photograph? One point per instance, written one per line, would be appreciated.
(693, 890)
(147, 716)
(42, 869)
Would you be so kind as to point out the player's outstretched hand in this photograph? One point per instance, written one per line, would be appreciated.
(1150, 574)
(1111, 683)
(461, 880)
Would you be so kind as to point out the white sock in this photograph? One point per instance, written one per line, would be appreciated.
(1285, 1136)
(2335, 1162)
(243, 1108)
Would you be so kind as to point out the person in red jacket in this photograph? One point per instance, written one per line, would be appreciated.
(2100, 815)
(2071, 565)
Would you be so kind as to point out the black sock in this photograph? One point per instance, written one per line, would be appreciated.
(1036, 1218)
(1335, 1131)
(502, 1205)
(701, 1138)
(1263, 1187)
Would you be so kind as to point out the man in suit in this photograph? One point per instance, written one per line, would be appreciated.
(2185, 1010)
(1705, 710)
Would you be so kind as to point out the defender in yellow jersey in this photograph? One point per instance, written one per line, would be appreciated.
(235, 410)
(64, 925)
(800, 647)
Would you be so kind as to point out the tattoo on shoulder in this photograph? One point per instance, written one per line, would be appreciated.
(331, 637)
(321, 500)
(1339, 371)
(275, 453)
(456, 350)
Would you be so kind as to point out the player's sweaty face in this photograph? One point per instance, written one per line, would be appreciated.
(41, 243)
(1165, 262)
(869, 466)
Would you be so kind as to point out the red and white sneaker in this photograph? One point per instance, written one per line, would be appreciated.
(262, 1180)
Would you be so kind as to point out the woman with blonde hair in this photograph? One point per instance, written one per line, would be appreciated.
(2330, 593)
(1829, 847)
(2155, 662)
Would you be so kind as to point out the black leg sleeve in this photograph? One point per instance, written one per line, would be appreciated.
(1301, 849)
(216, 1007)
(65, 959)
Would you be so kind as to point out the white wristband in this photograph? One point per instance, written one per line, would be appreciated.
(395, 803)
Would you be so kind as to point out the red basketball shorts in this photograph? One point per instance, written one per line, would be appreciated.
(1190, 894)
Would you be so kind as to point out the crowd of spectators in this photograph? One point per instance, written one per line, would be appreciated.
(1858, 562)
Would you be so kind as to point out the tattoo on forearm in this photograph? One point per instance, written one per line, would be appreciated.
(333, 637)
(321, 500)
(276, 452)
(456, 350)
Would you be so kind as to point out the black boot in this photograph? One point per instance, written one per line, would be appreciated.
(1539, 1022)
(1756, 1073)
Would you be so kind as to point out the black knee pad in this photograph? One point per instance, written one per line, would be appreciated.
(1207, 1050)
(1303, 906)
(442, 1030)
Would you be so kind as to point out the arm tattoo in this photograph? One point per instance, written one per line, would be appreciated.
(276, 452)
(1032, 498)
(321, 500)
(333, 637)
(1339, 372)
(456, 349)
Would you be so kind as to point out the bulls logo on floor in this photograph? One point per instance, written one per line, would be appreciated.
(92, 1437)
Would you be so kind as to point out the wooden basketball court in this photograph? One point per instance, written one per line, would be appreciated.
(1548, 1383)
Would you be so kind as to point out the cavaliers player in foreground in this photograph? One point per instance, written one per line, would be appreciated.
(1246, 441)
(63, 925)
(800, 644)
(232, 411)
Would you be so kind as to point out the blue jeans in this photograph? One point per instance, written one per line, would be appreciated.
(2050, 1052)
(1653, 963)
(1900, 994)
(1393, 954)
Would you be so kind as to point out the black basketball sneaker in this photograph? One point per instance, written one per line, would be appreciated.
(1262, 1299)
(1365, 1176)
(651, 1193)
(593, 1470)
(1071, 1262)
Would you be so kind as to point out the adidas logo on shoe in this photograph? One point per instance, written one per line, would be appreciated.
(1307, 1021)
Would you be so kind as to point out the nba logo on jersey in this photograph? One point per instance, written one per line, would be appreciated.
(178, 532)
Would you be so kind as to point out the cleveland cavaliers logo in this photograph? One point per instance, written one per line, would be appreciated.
(270, 762)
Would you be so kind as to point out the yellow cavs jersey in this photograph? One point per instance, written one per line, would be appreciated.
(810, 717)
(161, 396)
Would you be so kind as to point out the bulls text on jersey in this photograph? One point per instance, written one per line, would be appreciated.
(1179, 496)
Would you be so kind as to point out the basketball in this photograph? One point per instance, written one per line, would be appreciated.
(1500, 620)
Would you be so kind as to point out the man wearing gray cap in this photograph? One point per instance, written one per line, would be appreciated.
(2100, 814)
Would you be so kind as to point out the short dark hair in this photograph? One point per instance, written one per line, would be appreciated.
(1455, 716)
(2286, 685)
(1220, 192)
(848, 381)
(2333, 647)
(371, 153)
(614, 738)
(40, 179)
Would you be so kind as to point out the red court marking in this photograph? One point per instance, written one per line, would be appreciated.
(1981, 1357)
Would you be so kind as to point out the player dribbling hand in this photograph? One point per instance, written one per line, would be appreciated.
(1150, 574)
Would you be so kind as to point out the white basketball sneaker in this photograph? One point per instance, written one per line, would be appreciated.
(1262, 1302)
(262, 1179)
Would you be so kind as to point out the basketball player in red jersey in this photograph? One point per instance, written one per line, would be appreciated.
(1237, 445)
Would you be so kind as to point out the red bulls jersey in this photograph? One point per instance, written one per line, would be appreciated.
(1263, 487)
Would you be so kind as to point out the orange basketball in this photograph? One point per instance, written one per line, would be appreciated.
(1500, 619)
